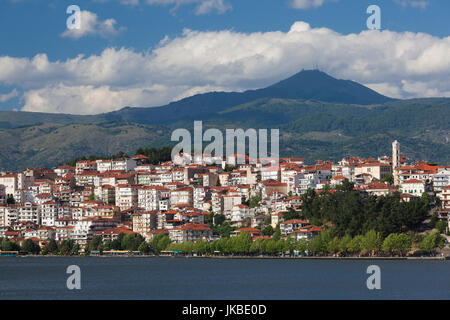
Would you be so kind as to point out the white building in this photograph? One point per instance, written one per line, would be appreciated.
(413, 186)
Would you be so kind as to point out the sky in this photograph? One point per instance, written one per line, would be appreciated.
(146, 53)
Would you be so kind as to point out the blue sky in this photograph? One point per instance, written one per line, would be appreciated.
(150, 52)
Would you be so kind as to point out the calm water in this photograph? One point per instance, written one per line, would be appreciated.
(194, 278)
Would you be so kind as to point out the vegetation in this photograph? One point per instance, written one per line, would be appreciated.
(441, 226)
(7, 245)
(10, 200)
(389, 178)
(291, 214)
(312, 129)
(253, 202)
(155, 155)
(432, 241)
(29, 246)
(324, 244)
(50, 248)
(351, 213)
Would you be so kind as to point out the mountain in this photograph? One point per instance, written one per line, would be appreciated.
(307, 84)
(318, 117)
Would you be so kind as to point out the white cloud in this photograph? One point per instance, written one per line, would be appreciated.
(413, 3)
(201, 6)
(306, 4)
(92, 25)
(208, 6)
(398, 64)
(8, 96)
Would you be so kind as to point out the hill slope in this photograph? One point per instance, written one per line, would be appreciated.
(318, 117)
(308, 128)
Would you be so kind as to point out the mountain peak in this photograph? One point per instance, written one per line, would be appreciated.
(318, 85)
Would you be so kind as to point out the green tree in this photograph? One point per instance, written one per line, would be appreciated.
(389, 178)
(201, 246)
(160, 242)
(132, 241)
(355, 245)
(344, 243)
(219, 219)
(271, 246)
(10, 199)
(116, 244)
(302, 245)
(333, 246)
(441, 226)
(144, 247)
(242, 243)
(67, 247)
(255, 247)
(254, 201)
(229, 168)
(268, 231)
(30, 246)
(397, 243)
(94, 244)
(75, 249)
(50, 247)
(372, 241)
(291, 214)
(277, 233)
(431, 242)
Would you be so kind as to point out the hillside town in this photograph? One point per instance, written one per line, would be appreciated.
(131, 196)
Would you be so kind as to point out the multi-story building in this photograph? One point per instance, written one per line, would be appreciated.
(126, 196)
(49, 213)
(10, 182)
(413, 187)
(149, 197)
(29, 212)
(190, 232)
(377, 170)
(181, 196)
(144, 222)
(85, 229)
(289, 226)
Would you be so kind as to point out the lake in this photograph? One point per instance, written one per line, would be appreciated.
(207, 278)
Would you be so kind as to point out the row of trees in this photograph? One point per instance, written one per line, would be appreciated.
(155, 155)
(65, 247)
(371, 243)
(131, 242)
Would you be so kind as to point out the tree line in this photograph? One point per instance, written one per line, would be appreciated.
(155, 155)
(371, 243)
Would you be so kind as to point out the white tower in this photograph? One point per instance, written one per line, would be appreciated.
(396, 161)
